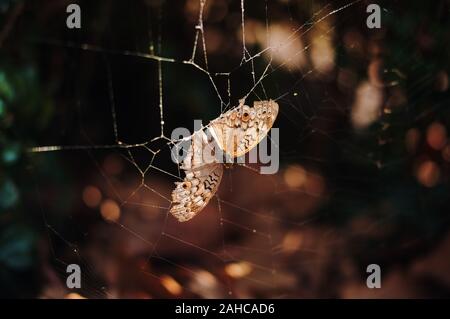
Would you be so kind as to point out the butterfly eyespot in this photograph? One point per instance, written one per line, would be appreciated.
(186, 185)
(245, 116)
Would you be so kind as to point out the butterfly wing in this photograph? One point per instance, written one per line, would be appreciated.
(196, 190)
(202, 180)
(242, 128)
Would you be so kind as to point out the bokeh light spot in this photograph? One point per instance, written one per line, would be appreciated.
(171, 285)
(238, 270)
(92, 196)
(428, 173)
(436, 136)
(295, 176)
(292, 241)
(109, 210)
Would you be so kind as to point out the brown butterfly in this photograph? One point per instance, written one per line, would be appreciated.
(236, 132)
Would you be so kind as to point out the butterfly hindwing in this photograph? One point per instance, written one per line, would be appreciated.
(201, 182)
(194, 193)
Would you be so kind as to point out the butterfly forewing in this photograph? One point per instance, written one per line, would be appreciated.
(242, 128)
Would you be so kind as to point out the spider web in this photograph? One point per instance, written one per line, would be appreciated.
(242, 244)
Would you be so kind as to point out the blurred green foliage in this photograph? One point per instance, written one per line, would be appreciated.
(24, 110)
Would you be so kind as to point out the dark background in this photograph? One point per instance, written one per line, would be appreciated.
(347, 195)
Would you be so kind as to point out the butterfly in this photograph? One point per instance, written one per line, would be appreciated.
(235, 132)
